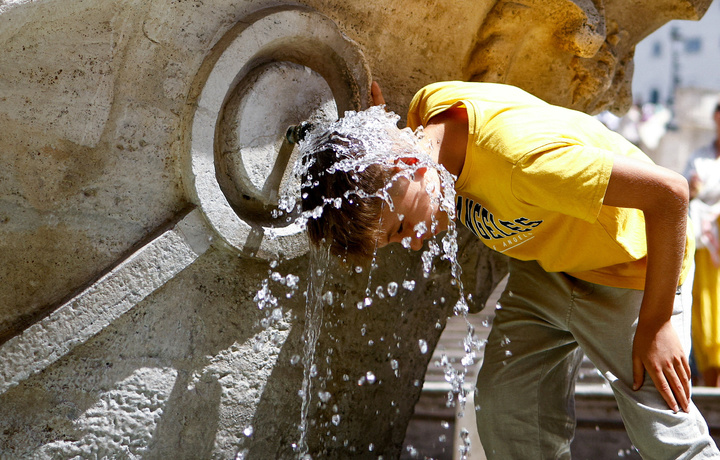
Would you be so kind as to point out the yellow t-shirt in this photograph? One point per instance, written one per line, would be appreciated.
(534, 179)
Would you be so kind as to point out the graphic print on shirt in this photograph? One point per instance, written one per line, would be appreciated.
(500, 235)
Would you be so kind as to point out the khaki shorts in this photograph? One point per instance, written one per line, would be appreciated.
(525, 388)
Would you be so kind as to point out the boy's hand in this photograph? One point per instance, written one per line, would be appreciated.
(657, 349)
(376, 94)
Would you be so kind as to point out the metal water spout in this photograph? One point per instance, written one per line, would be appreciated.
(296, 133)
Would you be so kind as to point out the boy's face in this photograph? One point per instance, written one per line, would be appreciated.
(416, 216)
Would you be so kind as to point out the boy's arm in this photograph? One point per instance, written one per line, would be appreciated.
(662, 195)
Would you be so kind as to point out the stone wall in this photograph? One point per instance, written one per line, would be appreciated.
(142, 155)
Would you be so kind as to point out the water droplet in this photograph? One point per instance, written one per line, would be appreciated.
(370, 377)
(248, 431)
(295, 359)
(423, 346)
(409, 285)
(392, 288)
(379, 292)
(292, 280)
(461, 307)
(465, 438)
(336, 420)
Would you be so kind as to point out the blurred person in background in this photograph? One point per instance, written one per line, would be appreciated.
(703, 175)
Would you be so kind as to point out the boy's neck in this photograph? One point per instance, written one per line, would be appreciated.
(448, 133)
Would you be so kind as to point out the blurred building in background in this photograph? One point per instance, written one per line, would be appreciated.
(679, 54)
(676, 85)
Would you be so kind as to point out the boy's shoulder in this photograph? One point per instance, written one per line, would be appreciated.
(438, 97)
(476, 89)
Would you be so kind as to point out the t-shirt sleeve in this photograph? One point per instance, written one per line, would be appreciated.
(433, 100)
(570, 179)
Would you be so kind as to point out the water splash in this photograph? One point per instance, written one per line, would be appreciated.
(373, 132)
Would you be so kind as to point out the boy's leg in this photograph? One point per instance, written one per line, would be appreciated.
(524, 400)
(603, 321)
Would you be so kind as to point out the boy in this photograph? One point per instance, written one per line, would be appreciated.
(597, 236)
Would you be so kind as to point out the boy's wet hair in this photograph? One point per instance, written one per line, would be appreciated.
(349, 220)
(344, 169)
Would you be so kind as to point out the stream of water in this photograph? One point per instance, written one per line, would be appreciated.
(375, 132)
(313, 322)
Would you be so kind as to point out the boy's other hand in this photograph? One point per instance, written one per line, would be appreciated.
(658, 351)
(376, 94)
